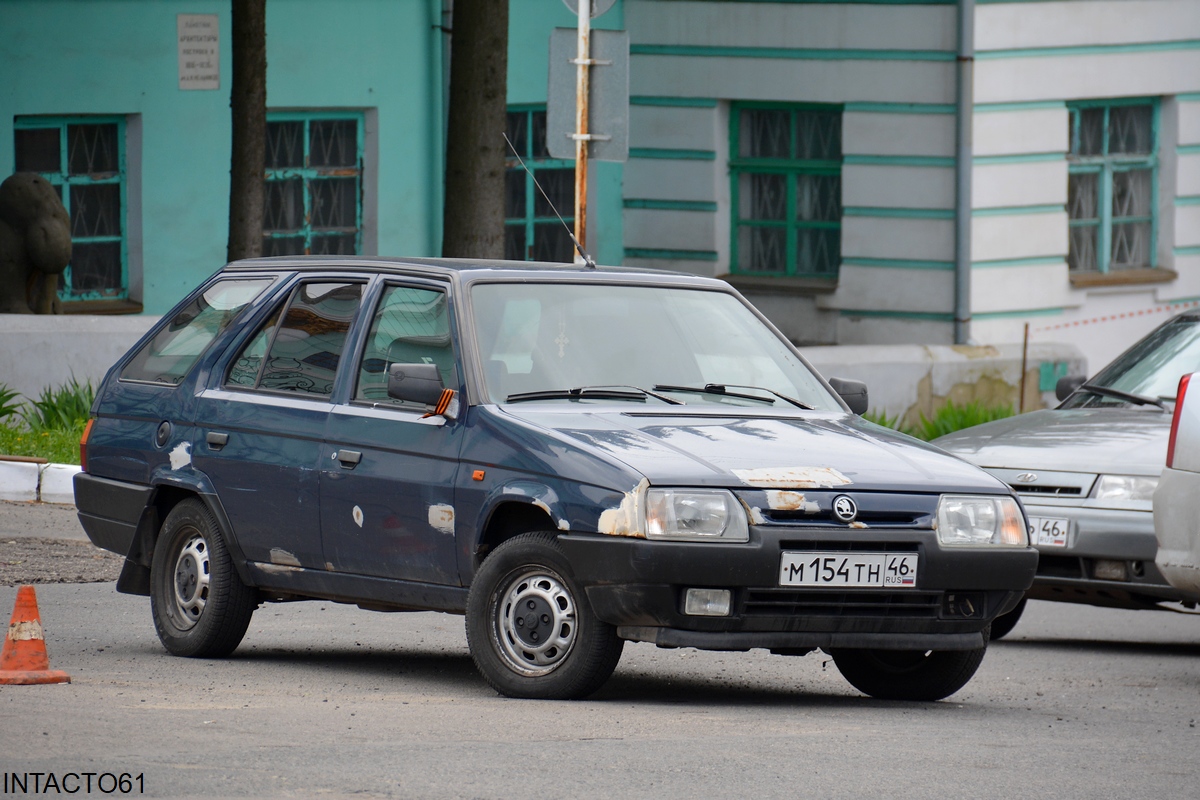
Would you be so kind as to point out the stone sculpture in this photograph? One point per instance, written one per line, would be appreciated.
(35, 245)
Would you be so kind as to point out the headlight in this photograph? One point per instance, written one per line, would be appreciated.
(695, 515)
(968, 520)
(1125, 489)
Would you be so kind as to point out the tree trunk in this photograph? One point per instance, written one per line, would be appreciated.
(248, 104)
(473, 216)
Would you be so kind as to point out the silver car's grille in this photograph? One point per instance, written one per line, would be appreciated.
(1047, 491)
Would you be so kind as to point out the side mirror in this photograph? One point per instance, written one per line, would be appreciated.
(416, 383)
(1067, 386)
(853, 392)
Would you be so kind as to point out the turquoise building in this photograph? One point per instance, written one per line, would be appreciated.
(866, 171)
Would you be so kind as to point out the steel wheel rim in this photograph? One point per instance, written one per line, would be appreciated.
(190, 581)
(534, 622)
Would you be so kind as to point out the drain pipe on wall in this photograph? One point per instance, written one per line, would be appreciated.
(963, 154)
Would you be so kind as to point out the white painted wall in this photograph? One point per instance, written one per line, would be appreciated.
(791, 25)
(897, 187)
(1003, 26)
(1019, 236)
(44, 351)
(889, 134)
(1041, 130)
(1019, 184)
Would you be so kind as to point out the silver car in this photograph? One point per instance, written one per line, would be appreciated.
(1086, 472)
(1177, 498)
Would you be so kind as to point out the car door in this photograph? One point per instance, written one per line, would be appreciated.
(259, 425)
(387, 478)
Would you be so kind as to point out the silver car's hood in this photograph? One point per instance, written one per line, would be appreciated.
(1127, 441)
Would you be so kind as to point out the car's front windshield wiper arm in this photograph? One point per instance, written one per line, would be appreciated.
(723, 390)
(1138, 399)
(610, 392)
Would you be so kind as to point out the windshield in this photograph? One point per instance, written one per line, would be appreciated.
(548, 337)
(1151, 368)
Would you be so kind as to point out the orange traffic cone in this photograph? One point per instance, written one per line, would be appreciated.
(24, 659)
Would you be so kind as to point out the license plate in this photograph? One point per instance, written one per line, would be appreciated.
(1049, 531)
(893, 570)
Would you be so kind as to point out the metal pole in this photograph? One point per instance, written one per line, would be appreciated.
(1024, 364)
(582, 62)
(962, 159)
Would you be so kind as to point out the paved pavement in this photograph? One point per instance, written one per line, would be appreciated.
(39, 520)
(324, 699)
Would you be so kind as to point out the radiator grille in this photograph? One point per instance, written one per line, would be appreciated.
(784, 603)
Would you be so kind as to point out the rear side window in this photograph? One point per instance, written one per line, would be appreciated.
(168, 356)
(299, 350)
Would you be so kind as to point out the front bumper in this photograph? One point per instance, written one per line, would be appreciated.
(639, 586)
(1069, 574)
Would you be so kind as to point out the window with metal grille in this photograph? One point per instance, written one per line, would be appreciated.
(313, 202)
(532, 231)
(84, 159)
(1112, 185)
(786, 166)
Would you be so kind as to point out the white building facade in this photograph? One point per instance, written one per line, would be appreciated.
(930, 172)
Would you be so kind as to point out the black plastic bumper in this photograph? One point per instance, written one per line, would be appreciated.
(640, 587)
(110, 510)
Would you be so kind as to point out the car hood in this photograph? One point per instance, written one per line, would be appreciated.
(1092, 440)
(767, 451)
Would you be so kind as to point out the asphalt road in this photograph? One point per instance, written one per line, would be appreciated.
(323, 699)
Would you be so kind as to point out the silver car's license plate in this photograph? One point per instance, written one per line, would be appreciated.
(893, 570)
(1049, 531)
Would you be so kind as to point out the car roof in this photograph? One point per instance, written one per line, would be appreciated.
(471, 269)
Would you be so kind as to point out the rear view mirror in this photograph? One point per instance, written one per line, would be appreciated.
(1067, 386)
(854, 393)
(416, 383)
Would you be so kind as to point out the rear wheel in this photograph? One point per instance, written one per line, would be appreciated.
(530, 629)
(201, 608)
(908, 674)
(1003, 624)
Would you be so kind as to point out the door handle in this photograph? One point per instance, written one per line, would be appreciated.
(216, 440)
(348, 458)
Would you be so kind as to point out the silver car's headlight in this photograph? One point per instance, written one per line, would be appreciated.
(1125, 489)
(695, 515)
(969, 520)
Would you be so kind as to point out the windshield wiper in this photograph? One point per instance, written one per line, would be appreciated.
(723, 390)
(608, 392)
(1137, 399)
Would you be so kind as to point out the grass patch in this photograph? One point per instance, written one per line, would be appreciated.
(58, 447)
(50, 426)
(949, 418)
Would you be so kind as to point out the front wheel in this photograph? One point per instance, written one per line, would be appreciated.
(908, 674)
(201, 608)
(530, 629)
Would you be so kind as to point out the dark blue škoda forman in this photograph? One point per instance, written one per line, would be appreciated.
(572, 457)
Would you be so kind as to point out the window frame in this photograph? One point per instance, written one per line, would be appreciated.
(1104, 166)
(535, 163)
(64, 181)
(307, 173)
(790, 167)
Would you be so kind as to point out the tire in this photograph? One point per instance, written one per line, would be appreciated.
(1003, 624)
(908, 674)
(201, 608)
(557, 649)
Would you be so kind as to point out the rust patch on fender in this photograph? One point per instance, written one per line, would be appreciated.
(792, 477)
(623, 520)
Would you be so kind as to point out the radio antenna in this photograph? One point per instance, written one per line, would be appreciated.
(587, 260)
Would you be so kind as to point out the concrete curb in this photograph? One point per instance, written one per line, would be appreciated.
(29, 481)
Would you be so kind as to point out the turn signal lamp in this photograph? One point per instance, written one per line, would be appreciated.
(83, 441)
(1183, 386)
